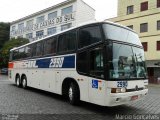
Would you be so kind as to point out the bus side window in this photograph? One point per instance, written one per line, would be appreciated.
(15, 54)
(39, 49)
(11, 56)
(89, 36)
(82, 62)
(96, 63)
(66, 41)
(21, 54)
(28, 51)
(50, 46)
(34, 50)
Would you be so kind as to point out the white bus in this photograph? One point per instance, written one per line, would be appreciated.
(101, 63)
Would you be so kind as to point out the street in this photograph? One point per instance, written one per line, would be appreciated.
(28, 104)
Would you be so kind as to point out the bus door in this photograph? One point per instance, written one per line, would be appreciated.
(96, 70)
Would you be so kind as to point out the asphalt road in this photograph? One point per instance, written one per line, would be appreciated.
(19, 104)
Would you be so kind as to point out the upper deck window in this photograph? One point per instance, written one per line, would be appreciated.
(118, 33)
(89, 35)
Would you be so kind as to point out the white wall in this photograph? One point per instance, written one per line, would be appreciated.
(82, 11)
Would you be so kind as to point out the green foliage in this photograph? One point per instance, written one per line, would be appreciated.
(4, 33)
(4, 53)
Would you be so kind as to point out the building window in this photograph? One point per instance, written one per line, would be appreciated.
(66, 26)
(158, 3)
(67, 10)
(52, 15)
(143, 27)
(39, 33)
(13, 28)
(130, 26)
(51, 31)
(40, 19)
(145, 46)
(29, 23)
(21, 26)
(29, 36)
(158, 45)
(144, 6)
(130, 9)
(158, 25)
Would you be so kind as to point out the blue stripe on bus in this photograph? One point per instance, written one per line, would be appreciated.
(68, 62)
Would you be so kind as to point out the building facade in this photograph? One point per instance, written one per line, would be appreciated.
(54, 19)
(143, 16)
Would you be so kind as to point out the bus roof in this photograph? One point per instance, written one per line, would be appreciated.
(80, 25)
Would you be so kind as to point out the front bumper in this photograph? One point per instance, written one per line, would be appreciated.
(124, 98)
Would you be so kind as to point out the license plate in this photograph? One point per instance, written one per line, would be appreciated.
(134, 97)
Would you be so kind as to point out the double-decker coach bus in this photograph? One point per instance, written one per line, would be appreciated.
(101, 63)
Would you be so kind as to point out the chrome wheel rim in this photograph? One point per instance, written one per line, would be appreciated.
(24, 83)
(70, 93)
(17, 82)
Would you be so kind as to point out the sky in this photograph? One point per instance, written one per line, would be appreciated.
(11, 10)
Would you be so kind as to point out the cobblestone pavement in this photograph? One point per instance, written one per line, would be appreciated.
(35, 104)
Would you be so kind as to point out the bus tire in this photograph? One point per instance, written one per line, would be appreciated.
(24, 82)
(73, 94)
(18, 81)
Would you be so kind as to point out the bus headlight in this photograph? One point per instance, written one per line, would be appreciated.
(118, 90)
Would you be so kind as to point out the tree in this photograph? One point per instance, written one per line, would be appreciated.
(4, 33)
(4, 52)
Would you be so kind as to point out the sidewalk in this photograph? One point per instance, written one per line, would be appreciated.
(154, 85)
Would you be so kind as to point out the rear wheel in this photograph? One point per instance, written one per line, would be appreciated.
(74, 94)
(24, 82)
(18, 81)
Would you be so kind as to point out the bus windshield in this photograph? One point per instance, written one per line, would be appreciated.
(125, 61)
(121, 34)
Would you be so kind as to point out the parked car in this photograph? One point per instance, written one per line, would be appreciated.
(4, 71)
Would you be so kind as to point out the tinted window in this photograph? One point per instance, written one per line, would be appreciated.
(66, 42)
(89, 35)
(15, 54)
(28, 51)
(39, 49)
(33, 49)
(82, 62)
(120, 34)
(21, 53)
(50, 46)
(96, 63)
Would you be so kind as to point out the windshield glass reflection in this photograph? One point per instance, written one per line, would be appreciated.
(126, 62)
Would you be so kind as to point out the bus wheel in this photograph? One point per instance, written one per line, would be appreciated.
(73, 94)
(18, 82)
(24, 82)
